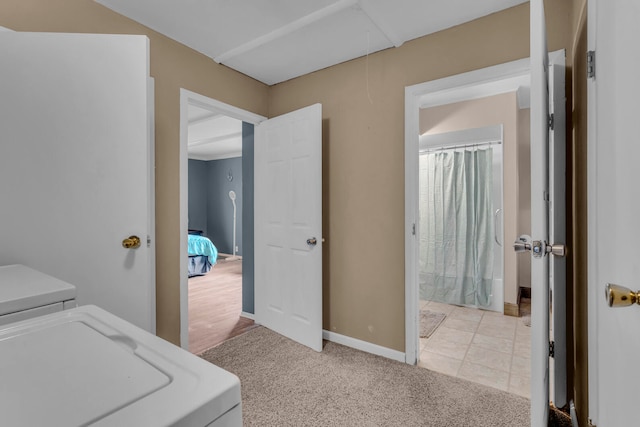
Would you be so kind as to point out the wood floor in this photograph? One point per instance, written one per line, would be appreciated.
(215, 304)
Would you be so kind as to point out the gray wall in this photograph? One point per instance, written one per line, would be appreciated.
(210, 208)
(219, 206)
(198, 195)
(247, 219)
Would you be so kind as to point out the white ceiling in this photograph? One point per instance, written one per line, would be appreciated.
(213, 136)
(276, 40)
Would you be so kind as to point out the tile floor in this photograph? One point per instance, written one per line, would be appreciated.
(479, 346)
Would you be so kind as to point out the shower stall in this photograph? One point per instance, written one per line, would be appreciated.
(461, 231)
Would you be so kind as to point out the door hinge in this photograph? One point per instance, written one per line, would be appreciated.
(148, 241)
(551, 121)
(552, 349)
(413, 231)
(591, 64)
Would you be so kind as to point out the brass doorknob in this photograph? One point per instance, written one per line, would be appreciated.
(131, 242)
(619, 296)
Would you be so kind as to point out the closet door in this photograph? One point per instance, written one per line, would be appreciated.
(76, 168)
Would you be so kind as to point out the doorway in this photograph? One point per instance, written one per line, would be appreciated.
(216, 152)
(214, 241)
(473, 327)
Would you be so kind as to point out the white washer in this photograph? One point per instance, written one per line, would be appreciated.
(86, 366)
(27, 293)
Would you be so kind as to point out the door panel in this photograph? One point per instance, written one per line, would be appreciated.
(539, 218)
(557, 232)
(288, 212)
(548, 222)
(74, 165)
(614, 209)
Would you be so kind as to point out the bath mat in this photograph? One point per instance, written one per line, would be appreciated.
(429, 322)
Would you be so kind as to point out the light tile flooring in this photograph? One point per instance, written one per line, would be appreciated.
(479, 346)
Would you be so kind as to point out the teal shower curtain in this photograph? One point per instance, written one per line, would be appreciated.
(456, 226)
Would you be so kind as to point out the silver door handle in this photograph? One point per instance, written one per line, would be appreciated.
(495, 227)
(522, 244)
(619, 296)
(538, 248)
(312, 241)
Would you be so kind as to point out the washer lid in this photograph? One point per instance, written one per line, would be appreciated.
(85, 365)
(70, 371)
(23, 288)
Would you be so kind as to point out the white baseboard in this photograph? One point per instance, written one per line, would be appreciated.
(365, 346)
(248, 315)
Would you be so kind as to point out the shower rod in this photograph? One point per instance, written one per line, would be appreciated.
(454, 147)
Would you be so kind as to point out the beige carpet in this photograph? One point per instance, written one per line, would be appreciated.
(286, 384)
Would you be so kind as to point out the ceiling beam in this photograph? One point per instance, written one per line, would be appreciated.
(377, 19)
(214, 139)
(203, 119)
(286, 29)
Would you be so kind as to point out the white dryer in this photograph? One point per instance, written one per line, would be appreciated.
(27, 293)
(85, 366)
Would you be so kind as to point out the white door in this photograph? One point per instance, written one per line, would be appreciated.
(557, 232)
(288, 225)
(548, 175)
(75, 165)
(613, 211)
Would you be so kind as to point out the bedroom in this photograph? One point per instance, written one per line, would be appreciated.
(216, 242)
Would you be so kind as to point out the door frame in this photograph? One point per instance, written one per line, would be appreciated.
(187, 98)
(594, 292)
(501, 78)
(475, 84)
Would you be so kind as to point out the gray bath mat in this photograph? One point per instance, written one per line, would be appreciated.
(429, 322)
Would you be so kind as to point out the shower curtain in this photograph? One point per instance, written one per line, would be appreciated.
(456, 226)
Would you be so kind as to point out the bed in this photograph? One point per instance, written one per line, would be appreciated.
(202, 254)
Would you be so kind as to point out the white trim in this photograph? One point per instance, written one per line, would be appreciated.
(593, 290)
(462, 137)
(151, 165)
(220, 107)
(184, 220)
(502, 78)
(411, 188)
(469, 85)
(5, 29)
(191, 98)
(365, 346)
(248, 315)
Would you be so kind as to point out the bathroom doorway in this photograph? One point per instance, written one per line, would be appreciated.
(464, 332)
(478, 333)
